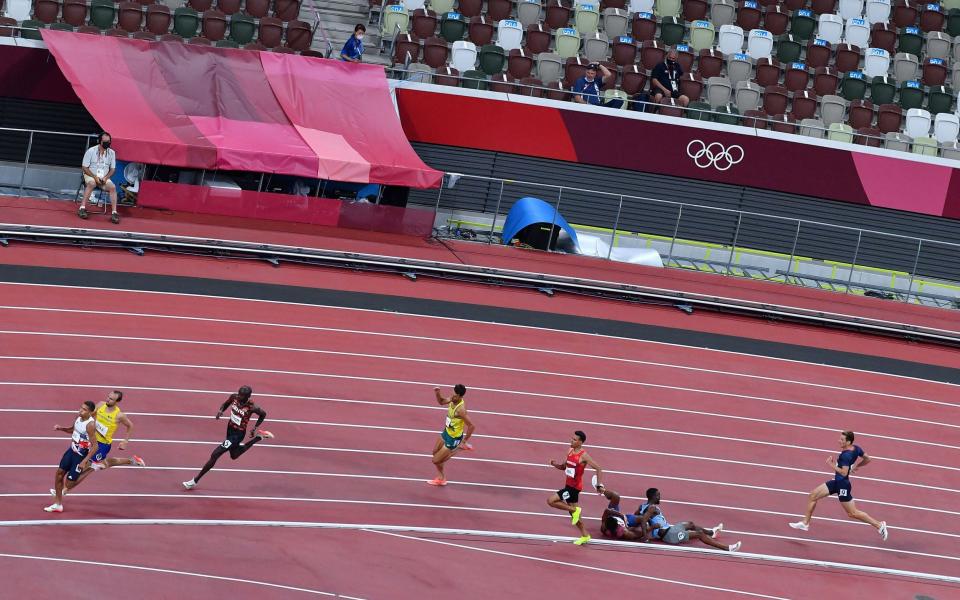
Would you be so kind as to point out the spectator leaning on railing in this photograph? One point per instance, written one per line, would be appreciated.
(587, 90)
(665, 79)
(353, 48)
(99, 163)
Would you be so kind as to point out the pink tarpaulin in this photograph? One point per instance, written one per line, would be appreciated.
(212, 108)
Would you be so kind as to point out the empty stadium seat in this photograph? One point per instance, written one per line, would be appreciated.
(910, 41)
(498, 10)
(857, 32)
(509, 34)
(616, 22)
(940, 99)
(840, 132)
(876, 63)
(586, 17)
(624, 51)
(667, 8)
(775, 99)
(186, 22)
(538, 39)
(242, 27)
(747, 96)
(396, 19)
(447, 76)
(530, 86)
(833, 109)
(695, 10)
(453, 27)
(424, 24)
(768, 72)
(271, 32)
(463, 56)
(760, 44)
(755, 119)
(877, 11)
(912, 95)
(75, 12)
(830, 28)
(783, 123)
(883, 35)
(850, 9)
(917, 123)
(129, 16)
(556, 91)
(788, 49)
(938, 45)
(802, 24)
(739, 68)
(634, 80)
(776, 20)
(258, 9)
(805, 104)
(925, 145)
(895, 140)
(889, 117)
(869, 136)
(861, 114)
(719, 91)
(214, 25)
(519, 64)
(796, 77)
(643, 27)
(474, 80)
(699, 111)
(818, 53)
(934, 71)
(847, 57)
(749, 15)
(825, 81)
(691, 86)
(416, 72)
(229, 7)
(950, 150)
(730, 39)
(549, 67)
(435, 52)
(641, 6)
(502, 83)
(946, 127)
(932, 17)
(651, 54)
(567, 42)
(710, 63)
(685, 57)
(528, 12)
(722, 12)
(492, 59)
(812, 128)
(596, 46)
(905, 66)
(727, 115)
(904, 13)
(853, 86)
(672, 30)
(557, 15)
(702, 34)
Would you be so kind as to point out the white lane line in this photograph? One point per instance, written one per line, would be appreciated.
(510, 535)
(390, 357)
(627, 405)
(672, 432)
(87, 563)
(501, 486)
(577, 565)
(500, 462)
(508, 438)
(116, 292)
(547, 351)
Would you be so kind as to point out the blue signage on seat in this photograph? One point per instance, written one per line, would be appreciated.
(682, 48)
(805, 12)
(568, 31)
(625, 39)
(750, 4)
(912, 30)
(934, 7)
(820, 42)
(915, 85)
(936, 61)
(855, 74)
(799, 66)
(741, 56)
(645, 15)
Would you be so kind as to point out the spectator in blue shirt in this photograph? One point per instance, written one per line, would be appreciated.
(586, 90)
(353, 49)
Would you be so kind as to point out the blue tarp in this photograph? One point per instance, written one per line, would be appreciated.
(527, 211)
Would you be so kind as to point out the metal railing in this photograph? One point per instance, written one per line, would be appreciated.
(720, 240)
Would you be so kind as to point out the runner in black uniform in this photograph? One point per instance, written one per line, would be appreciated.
(241, 408)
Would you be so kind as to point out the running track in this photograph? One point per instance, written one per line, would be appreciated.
(727, 437)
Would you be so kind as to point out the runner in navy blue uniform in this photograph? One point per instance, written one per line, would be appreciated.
(843, 467)
(241, 408)
(83, 446)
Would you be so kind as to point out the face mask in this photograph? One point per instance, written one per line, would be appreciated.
(106, 145)
(359, 37)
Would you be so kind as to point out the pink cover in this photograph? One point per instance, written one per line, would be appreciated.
(212, 108)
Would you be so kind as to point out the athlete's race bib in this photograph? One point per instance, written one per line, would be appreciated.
(235, 419)
(101, 428)
(570, 471)
(449, 423)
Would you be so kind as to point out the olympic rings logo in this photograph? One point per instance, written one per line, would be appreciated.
(706, 155)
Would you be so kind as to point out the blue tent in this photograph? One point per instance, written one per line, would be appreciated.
(529, 211)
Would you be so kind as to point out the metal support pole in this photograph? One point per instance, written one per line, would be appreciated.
(26, 163)
(260, 185)
(913, 272)
(793, 251)
(673, 240)
(496, 213)
(556, 212)
(616, 223)
(856, 253)
(736, 234)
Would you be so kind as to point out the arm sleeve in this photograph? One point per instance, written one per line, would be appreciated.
(113, 159)
(87, 161)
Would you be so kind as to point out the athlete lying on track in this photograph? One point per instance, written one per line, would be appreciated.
(652, 520)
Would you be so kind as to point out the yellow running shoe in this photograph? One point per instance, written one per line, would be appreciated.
(575, 517)
(582, 541)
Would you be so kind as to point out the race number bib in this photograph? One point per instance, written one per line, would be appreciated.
(235, 419)
(570, 471)
(449, 423)
(101, 428)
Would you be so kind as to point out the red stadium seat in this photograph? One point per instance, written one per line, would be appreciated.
(825, 81)
(818, 55)
(804, 105)
(624, 51)
(889, 117)
(711, 63)
(530, 86)
(848, 58)
(538, 39)
(469, 8)
(558, 14)
(691, 86)
(75, 12)
(775, 100)
(797, 77)
(158, 19)
(447, 76)
(776, 20)
(869, 136)
(214, 25)
(480, 31)
(757, 119)
(498, 10)
(271, 32)
(643, 28)
(519, 64)
(286, 10)
(749, 15)
(783, 123)
(435, 52)
(130, 16)
(424, 23)
(904, 13)
(883, 35)
(861, 114)
(634, 80)
(768, 72)
(669, 108)
(502, 83)
(695, 10)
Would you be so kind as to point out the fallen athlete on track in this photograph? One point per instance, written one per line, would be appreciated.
(653, 521)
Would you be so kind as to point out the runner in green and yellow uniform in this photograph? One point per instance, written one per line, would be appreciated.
(452, 438)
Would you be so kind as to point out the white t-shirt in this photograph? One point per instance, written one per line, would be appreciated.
(100, 164)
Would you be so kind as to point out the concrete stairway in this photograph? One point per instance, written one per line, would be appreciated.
(338, 18)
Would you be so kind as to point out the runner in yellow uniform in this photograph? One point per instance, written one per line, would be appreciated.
(107, 417)
(452, 438)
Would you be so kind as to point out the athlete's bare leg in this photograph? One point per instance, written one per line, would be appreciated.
(815, 496)
(441, 454)
(559, 504)
(859, 515)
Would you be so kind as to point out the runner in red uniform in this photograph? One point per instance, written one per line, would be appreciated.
(241, 409)
(567, 499)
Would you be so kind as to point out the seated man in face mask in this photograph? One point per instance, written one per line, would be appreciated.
(587, 89)
(353, 48)
(665, 80)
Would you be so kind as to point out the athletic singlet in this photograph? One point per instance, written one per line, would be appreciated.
(454, 425)
(574, 470)
(658, 523)
(847, 458)
(106, 423)
(239, 415)
(81, 441)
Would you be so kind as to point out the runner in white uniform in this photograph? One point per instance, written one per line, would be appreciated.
(83, 446)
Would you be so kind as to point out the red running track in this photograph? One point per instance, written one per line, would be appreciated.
(726, 437)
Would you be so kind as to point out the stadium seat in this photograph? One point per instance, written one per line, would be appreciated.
(447, 76)
(30, 29)
(853, 86)
(641, 6)
(699, 111)
(932, 17)
(415, 72)
(833, 109)
(463, 57)
(730, 39)
(802, 24)
(423, 24)
(271, 32)
(820, 7)
(214, 25)
(825, 81)
(739, 68)
(940, 100)
(474, 80)
(847, 58)
(911, 95)
(702, 35)
(818, 53)
(46, 11)
(300, 36)
(467, 8)
(917, 123)
(242, 27)
(953, 22)
(567, 42)
(288, 10)
(226, 43)
(727, 115)
(895, 140)
(904, 13)
(614, 94)
(102, 13)
(502, 83)
(788, 49)
(596, 46)
(776, 20)
(195, 41)
(710, 63)
(200, 5)
(850, 9)
(691, 86)
(624, 51)
(75, 12)
(528, 13)
(668, 107)
(877, 11)
(861, 114)
(586, 17)
(666, 8)
(549, 67)
(905, 66)
(937, 45)
(435, 52)
(255, 46)
(910, 41)
(556, 91)
(840, 132)
(883, 35)
(876, 63)
(530, 86)
(722, 12)
(538, 39)
(634, 80)
(934, 71)
(498, 10)
(685, 57)
(616, 22)
(186, 22)
(783, 123)
(651, 54)
(950, 150)
(395, 20)
(775, 100)
(946, 127)
(749, 15)
(925, 145)
(480, 31)
(672, 30)
(453, 27)
(747, 96)
(768, 72)
(719, 91)
(857, 32)
(869, 136)
(130, 16)
(760, 44)
(796, 77)
(406, 49)
(805, 104)
(812, 128)
(509, 34)
(755, 119)
(695, 10)
(955, 76)
(643, 27)
(258, 9)
(889, 117)
(830, 28)
(557, 15)
(229, 7)
(519, 64)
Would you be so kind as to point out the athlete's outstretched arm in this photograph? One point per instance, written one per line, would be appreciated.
(440, 399)
(593, 465)
(63, 429)
(224, 406)
(612, 496)
(129, 426)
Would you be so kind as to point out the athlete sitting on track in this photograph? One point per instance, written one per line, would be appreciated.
(652, 520)
(107, 417)
(843, 467)
(452, 438)
(616, 524)
(83, 445)
(241, 408)
(567, 499)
